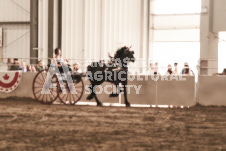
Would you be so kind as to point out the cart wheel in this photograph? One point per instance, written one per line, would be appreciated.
(71, 98)
(43, 92)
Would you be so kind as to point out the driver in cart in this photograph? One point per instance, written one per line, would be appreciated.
(60, 62)
(61, 68)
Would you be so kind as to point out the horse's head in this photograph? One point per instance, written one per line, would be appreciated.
(124, 55)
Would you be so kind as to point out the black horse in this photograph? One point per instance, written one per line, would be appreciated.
(115, 71)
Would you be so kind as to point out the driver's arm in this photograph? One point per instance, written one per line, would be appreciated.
(65, 62)
(55, 62)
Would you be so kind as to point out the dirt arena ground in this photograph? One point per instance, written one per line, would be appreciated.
(28, 125)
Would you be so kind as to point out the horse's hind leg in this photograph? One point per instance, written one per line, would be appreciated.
(118, 91)
(93, 95)
(125, 96)
(98, 102)
(90, 97)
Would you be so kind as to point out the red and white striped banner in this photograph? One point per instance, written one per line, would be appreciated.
(9, 81)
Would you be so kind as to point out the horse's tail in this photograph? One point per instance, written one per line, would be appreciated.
(89, 68)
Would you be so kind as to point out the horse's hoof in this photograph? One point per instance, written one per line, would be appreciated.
(99, 104)
(90, 97)
(127, 105)
(114, 95)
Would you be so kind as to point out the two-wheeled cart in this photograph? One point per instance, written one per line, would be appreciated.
(47, 87)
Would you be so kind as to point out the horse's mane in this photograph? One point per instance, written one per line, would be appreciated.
(120, 52)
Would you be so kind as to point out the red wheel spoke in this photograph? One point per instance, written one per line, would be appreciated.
(38, 87)
(49, 98)
(69, 95)
(46, 98)
(78, 86)
(79, 91)
(42, 97)
(54, 96)
(39, 96)
(38, 91)
(40, 79)
(53, 90)
(77, 95)
(63, 97)
(39, 83)
(52, 93)
(43, 77)
(67, 98)
(73, 97)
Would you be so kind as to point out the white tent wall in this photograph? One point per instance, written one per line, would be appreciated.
(175, 33)
(43, 30)
(221, 51)
(176, 6)
(91, 29)
(15, 10)
(175, 23)
(16, 41)
(16, 36)
(180, 35)
(72, 29)
(186, 21)
(218, 19)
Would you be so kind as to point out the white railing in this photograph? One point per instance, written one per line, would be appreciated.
(141, 66)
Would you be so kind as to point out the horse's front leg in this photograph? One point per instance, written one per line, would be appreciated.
(90, 97)
(93, 94)
(118, 90)
(125, 96)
